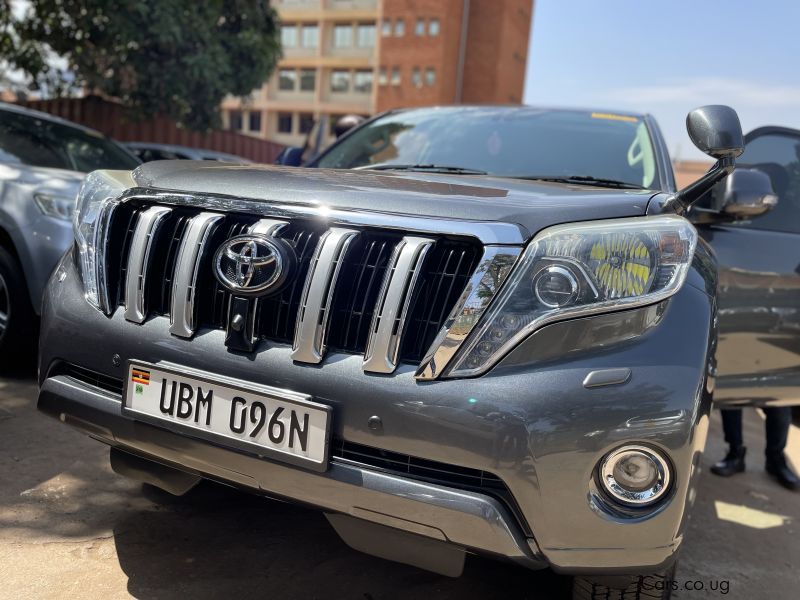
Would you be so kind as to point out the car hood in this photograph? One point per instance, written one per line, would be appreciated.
(531, 204)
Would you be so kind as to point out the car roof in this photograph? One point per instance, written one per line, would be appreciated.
(38, 114)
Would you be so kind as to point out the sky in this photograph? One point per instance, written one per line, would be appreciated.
(667, 57)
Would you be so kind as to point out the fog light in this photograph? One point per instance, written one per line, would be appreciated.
(635, 475)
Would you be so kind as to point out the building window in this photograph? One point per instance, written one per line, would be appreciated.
(310, 36)
(433, 27)
(306, 122)
(430, 76)
(383, 76)
(399, 28)
(287, 80)
(420, 28)
(340, 81)
(342, 36)
(235, 120)
(284, 122)
(416, 78)
(386, 28)
(396, 76)
(365, 35)
(308, 80)
(362, 82)
(255, 121)
(289, 36)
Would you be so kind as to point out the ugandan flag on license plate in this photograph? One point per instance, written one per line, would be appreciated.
(140, 376)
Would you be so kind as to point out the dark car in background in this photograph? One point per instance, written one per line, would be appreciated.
(43, 160)
(147, 151)
(467, 330)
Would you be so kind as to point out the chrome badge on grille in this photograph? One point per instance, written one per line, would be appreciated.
(253, 265)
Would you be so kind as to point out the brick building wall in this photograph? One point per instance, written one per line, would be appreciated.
(497, 51)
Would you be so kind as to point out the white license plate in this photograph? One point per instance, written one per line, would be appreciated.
(267, 421)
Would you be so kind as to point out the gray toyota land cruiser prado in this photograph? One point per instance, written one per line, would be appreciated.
(460, 330)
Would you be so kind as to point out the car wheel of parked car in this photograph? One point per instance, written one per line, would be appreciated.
(18, 328)
(656, 585)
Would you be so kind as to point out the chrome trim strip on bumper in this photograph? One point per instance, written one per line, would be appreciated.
(314, 312)
(147, 224)
(487, 232)
(468, 519)
(394, 299)
(186, 266)
(494, 267)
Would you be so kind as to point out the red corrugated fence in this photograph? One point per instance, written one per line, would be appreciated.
(115, 121)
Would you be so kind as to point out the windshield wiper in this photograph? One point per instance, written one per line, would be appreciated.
(428, 168)
(584, 180)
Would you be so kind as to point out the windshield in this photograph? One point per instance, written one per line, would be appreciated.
(38, 142)
(510, 142)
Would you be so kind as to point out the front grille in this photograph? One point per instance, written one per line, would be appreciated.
(347, 321)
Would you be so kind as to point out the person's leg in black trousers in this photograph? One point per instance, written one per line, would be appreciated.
(734, 461)
(778, 421)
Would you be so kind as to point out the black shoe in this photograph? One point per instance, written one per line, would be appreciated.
(780, 470)
(732, 463)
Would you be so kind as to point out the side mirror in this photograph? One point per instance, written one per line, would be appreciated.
(716, 131)
(291, 156)
(747, 193)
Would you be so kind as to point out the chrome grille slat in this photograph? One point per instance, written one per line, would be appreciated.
(393, 302)
(147, 224)
(314, 312)
(182, 321)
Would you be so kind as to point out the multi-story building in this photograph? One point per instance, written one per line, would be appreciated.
(364, 56)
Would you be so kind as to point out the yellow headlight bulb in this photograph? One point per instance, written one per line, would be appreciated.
(622, 264)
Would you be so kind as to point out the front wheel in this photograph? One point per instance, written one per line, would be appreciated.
(18, 324)
(656, 586)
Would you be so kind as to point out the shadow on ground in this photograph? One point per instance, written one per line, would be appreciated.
(216, 541)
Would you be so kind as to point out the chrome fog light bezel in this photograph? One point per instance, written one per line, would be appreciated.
(624, 496)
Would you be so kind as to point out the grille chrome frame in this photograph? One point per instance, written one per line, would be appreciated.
(501, 245)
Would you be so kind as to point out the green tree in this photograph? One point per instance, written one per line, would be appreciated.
(177, 57)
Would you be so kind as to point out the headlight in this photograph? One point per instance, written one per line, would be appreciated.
(55, 205)
(97, 198)
(581, 269)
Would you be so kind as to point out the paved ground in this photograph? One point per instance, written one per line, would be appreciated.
(70, 528)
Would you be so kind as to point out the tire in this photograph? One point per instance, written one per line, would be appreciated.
(19, 327)
(656, 586)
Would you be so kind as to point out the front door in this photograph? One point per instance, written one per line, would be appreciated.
(758, 356)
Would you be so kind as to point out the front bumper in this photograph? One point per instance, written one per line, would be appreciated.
(530, 421)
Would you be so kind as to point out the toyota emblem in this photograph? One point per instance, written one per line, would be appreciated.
(253, 265)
